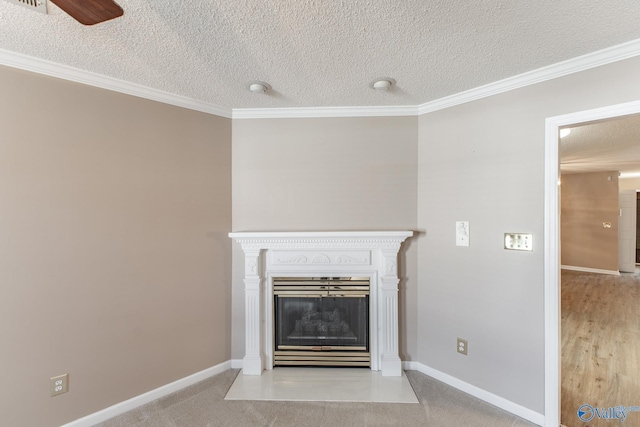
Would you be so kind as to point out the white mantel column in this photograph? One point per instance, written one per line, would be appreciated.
(390, 363)
(253, 287)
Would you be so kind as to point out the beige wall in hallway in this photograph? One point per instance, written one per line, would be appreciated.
(589, 200)
(629, 183)
(114, 256)
(484, 162)
(327, 174)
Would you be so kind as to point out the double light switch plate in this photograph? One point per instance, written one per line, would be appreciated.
(518, 241)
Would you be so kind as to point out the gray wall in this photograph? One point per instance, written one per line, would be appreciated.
(114, 258)
(327, 174)
(483, 162)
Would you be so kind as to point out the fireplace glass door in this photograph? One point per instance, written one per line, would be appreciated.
(321, 321)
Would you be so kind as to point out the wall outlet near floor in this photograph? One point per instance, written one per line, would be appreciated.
(59, 384)
(462, 346)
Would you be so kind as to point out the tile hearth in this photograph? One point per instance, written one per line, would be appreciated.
(323, 384)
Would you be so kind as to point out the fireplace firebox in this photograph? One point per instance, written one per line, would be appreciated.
(321, 321)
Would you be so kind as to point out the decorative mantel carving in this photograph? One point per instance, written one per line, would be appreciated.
(368, 253)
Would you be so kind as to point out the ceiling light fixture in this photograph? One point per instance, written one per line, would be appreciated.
(382, 83)
(565, 132)
(259, 87)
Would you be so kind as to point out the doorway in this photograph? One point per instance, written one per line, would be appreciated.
(552, 245)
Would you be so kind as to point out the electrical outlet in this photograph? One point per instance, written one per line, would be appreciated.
(59, 384)
(462, 346)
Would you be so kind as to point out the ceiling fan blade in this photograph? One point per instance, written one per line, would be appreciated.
(90, 12)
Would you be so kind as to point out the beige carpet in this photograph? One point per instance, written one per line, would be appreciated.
(203, 405)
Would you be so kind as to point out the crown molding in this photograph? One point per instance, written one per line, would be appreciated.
(560, 69)
(309, 112)
(581, 63)
(65, 72)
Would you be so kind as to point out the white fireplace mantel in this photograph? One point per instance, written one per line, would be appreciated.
(321, 254)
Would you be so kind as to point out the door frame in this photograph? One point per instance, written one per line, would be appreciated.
(631, 220)
(552, 246)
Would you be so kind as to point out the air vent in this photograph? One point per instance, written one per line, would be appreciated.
(38, 5)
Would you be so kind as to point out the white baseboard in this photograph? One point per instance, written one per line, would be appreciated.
(479, 393)
(128, 405)
(590, 270)
(135, 402)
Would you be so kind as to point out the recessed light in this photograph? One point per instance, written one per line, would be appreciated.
(259, 87)
(565, 132)
(382, 83)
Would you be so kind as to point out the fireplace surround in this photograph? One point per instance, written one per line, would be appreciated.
(370, 254)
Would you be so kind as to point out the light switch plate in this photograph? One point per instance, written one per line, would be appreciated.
(462, 233)
(518, 241)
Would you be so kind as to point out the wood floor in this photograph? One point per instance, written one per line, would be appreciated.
(600, 346)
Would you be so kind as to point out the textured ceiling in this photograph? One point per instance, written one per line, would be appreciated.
(612, 145)
(318, 53)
